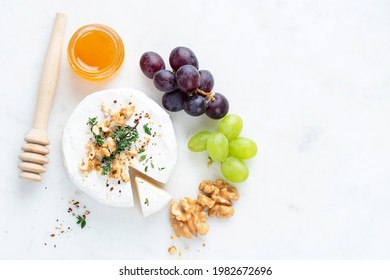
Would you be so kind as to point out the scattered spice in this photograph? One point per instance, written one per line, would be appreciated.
(75, 203)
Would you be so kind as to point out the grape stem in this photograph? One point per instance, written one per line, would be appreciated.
(209, 95)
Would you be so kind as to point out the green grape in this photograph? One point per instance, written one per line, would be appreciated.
(218, 147)
(198, 142)
(235, 170)
(242, 148)
(230, 126)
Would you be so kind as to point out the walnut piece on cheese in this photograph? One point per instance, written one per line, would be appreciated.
(189, 218)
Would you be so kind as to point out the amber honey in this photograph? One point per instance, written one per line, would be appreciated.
(95, 52)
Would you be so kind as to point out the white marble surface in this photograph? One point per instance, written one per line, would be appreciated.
(309, 78)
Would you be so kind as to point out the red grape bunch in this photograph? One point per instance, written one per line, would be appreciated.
(185, 87)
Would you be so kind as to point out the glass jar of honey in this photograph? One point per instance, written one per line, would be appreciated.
(95, 52)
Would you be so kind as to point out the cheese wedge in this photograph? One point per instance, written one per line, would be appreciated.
(152, 198)
(156, 159)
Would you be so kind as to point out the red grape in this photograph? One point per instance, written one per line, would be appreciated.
(195, 105)
(150, 63)
(187, 78)
(164, 80)
(182, 56)
(218, 108)
(206, 81)
(173, 101)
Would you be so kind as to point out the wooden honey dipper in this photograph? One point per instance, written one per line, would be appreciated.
(34, 151)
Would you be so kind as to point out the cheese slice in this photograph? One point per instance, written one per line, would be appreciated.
(157, 161)
(152, 198)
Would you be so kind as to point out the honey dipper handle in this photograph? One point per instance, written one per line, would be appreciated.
(50, 73)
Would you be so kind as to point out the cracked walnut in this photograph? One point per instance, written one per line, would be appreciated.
(189, 218)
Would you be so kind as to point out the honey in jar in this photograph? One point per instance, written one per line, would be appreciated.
(95, 52)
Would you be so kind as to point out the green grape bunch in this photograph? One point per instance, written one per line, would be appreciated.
(225, 146)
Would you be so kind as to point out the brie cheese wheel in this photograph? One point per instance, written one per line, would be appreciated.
(156, 158)
(152, 198)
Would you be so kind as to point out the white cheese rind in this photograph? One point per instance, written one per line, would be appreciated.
(152, 198)
(162, 148)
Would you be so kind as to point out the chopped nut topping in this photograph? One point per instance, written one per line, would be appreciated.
(109, 153)
(95, 129)
(106, 111)
(111, 145)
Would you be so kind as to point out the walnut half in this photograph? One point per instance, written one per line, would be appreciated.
(222, 194)
(189, 218)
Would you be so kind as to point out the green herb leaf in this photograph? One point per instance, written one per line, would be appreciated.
(141, 151)
(147, 129)
(124, 138)
(92, 121)
(81, 221)
(210, 162)
(151, 164)
(142, 158)
(146, 201)
(106, 168)
(99, 140)
(161, 168)
(106, 164)
(146, 168)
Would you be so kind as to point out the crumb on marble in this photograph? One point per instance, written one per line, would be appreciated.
(172, 250)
